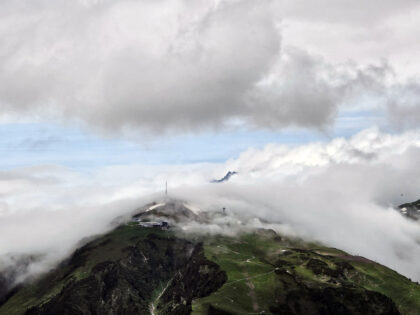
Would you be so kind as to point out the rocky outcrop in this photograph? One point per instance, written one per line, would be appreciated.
(129, 285)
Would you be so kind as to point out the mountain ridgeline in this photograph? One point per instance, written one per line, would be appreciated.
(159, 269)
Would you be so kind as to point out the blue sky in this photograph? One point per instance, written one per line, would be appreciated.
(42, 143)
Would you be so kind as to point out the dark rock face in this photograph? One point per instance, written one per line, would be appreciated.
(319, 267)
(4, 286)
(7, 287)
(128, 286)
(341, 299)
(224, 178)
(107, 292)
(411, 210)
(335, 301)
(197, 279)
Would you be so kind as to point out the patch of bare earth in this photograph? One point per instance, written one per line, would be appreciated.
(251, 294)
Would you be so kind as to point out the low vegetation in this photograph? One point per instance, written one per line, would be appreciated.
(135, 270)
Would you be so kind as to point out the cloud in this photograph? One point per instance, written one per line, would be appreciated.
(46, 211)
(341, 193)
(338, 193)
(303, 89)
(117, 64)
(364, 32)
(368, 146)
(357, 13)
(173, 66)
(404, 106)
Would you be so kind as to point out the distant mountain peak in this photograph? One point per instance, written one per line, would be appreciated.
(411, 210)
(225, 178)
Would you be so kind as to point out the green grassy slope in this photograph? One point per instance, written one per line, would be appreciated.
(249, 274)
(110, 247)
(263, 269)
(404, 293)
(131, 270)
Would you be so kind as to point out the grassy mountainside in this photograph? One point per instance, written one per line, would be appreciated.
(135, 270)
(122, 272)
(270, 274)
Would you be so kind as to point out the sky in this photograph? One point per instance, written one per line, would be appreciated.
(175, 82)
(49, 143)
(102, 102)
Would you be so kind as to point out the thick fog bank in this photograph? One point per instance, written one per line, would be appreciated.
(341, 193)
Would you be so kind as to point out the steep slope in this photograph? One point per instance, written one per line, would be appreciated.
(137, 270)
(274, 275)
(119, 273)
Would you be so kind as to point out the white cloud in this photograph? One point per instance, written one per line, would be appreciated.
(357, 13)
(404, 106)
(340, 193)
(361, 31)
(176, 66)
(150, 64)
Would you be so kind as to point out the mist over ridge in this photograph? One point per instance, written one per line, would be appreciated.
(341, 195)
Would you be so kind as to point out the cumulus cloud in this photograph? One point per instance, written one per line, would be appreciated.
(155, 64)
(165, 66)
(370, 146)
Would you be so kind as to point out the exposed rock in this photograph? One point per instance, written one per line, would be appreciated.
(224, 178)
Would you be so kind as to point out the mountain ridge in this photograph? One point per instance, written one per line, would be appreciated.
(150, 270)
